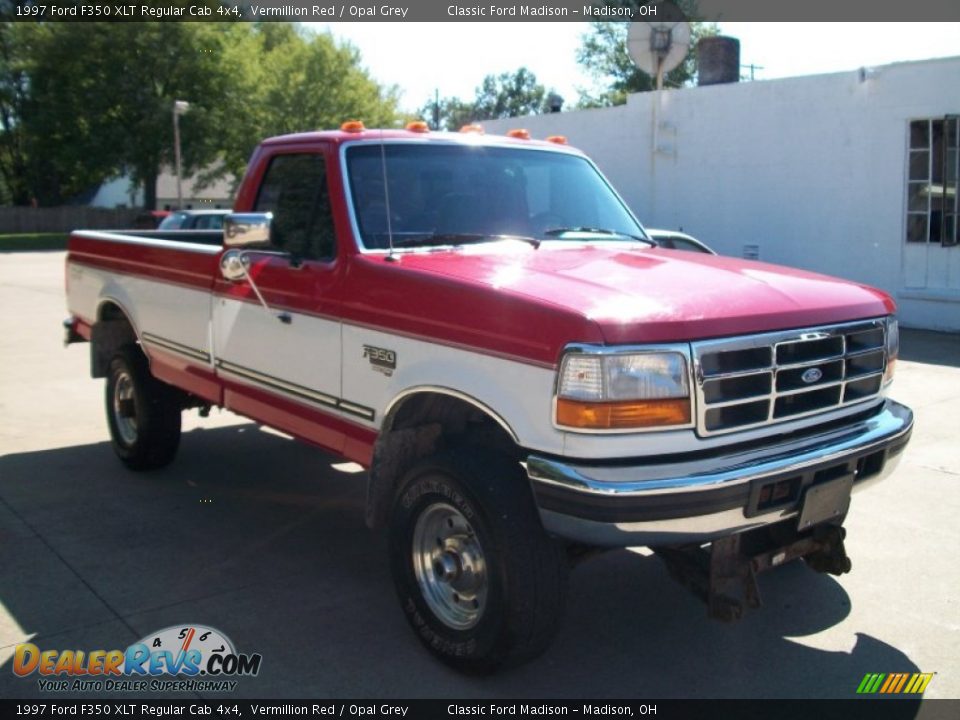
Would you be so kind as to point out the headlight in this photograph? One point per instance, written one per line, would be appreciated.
(623, 391)
(893, 349)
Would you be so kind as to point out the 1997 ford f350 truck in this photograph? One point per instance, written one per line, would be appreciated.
(481, 322)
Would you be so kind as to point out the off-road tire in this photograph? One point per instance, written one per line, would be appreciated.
(526, 570)
(147, 438)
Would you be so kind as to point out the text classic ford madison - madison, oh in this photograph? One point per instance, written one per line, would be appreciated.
(481, 323)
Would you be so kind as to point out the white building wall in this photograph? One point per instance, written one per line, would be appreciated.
(118, 192)
(810, 169)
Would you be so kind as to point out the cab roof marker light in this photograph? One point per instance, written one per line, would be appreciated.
(557, 139)
(472, 128)
(519, 134)
(353, 126)
(418, 126)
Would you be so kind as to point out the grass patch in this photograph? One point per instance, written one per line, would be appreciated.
(33, 241)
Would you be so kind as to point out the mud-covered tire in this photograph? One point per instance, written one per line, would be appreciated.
(143, 414)
(475, 503)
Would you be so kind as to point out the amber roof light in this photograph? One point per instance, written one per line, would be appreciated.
(353, 126)
(519, 134)
(558, 139)
(473, 128)
(418, 126)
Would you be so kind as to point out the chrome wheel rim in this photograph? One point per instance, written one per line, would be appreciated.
(450, 567)
(124, 408)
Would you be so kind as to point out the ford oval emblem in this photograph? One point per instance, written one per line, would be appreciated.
(811, 375)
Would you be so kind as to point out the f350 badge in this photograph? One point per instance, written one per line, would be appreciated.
(382, 360)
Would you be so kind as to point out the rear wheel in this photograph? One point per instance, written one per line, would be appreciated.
(143, 414)
(479, 580)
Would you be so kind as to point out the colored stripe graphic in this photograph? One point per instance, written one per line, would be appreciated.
(894, 683)
(900, 684)
(871, 683)
(892, 679)
(918, 683)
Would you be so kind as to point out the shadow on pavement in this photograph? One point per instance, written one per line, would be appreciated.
(263, 539)
(932, 348)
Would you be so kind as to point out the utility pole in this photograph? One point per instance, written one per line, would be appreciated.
(752, 69)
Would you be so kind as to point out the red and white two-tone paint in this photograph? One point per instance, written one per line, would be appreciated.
(481, 322)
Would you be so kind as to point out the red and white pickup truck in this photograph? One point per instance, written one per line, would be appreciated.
(481, 322)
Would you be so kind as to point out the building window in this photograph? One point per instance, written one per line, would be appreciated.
(933, 167)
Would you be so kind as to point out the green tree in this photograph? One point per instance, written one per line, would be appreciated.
(81, 102)
(14, 188)
(451, 113)
(498, 96)
(304, 82)
(603, 52)
(509, 95)
(102, 95)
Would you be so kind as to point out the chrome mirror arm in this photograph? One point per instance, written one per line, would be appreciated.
(235, 265)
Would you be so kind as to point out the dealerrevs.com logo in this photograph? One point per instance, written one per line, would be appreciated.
(178, 658)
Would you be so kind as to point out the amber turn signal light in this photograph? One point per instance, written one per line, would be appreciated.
(418, 126)
(623, 415)
(888, 373)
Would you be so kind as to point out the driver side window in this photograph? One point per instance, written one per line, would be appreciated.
(295, 190)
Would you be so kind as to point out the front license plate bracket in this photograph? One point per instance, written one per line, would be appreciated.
(826, 501)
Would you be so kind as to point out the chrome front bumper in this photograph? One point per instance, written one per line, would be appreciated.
(697, 498)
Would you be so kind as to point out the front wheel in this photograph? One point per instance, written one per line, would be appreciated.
(480, 581)
(143, 413)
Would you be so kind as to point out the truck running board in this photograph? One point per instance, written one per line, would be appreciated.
(724, 573)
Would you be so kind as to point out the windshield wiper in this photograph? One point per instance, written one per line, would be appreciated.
(460, 239)
(553, 232)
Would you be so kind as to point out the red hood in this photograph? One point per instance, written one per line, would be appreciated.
(638, 294)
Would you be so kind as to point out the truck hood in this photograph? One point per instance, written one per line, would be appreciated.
(638, 294)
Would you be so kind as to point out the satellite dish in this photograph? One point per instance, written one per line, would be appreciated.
(658, 47)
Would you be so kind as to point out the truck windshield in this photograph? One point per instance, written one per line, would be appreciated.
(441, 192)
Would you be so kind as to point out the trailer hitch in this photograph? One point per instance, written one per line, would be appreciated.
(724, 574)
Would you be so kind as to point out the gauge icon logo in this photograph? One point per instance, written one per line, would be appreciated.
(188, 650)
(191, 637)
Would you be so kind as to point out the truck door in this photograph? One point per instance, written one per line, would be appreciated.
(281, 365)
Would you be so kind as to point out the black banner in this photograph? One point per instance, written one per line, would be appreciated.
(473, 10)
(855, 709)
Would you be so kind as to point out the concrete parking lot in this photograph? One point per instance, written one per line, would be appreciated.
(263, 538)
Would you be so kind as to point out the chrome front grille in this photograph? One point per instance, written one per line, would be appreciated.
(757, 380)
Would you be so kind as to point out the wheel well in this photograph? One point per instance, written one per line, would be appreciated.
(419, 425)
(112, 331)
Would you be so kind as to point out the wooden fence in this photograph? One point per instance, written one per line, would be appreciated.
(65, 219)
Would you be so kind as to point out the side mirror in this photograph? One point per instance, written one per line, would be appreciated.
(248, 231)
(234, 265)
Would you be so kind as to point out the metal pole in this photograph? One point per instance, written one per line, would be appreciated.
(176, 154)
(179, 108)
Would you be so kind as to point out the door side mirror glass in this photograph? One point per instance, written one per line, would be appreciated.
(248, 231)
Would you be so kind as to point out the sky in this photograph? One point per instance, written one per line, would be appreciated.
(454, 57)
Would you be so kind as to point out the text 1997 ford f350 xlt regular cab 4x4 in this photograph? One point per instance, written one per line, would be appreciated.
(482, 323)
